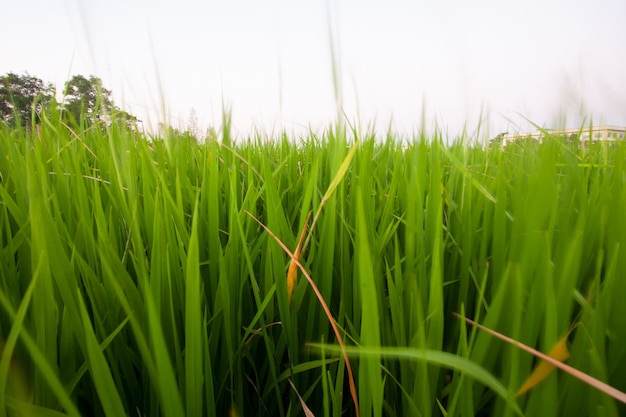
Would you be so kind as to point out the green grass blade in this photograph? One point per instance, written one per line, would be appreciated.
(7, 348)
(193, 327)
(370, 379)
(99, 369)
(43, 367)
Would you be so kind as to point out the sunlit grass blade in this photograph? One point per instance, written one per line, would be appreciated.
(339, 176)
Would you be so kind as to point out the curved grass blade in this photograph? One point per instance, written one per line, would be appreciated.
(305, 367)
(435, 357)
(194, 378)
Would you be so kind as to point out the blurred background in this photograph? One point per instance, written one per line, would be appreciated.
(408, 65)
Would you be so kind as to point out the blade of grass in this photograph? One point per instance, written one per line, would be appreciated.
(27, 409)
(370, 378)
(170, 396)
(193, 326)
(99, 368)
(6, 349)
(341, 173)
(42, 365)
(71, 385)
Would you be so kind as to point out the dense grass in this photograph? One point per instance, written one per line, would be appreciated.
(135, 280)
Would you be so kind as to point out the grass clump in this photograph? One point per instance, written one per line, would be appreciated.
(136, 280)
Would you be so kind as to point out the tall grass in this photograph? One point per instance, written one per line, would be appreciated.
(135, 280)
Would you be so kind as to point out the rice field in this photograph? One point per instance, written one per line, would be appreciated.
(145, 276)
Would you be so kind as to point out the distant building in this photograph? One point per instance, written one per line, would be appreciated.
(583, 135)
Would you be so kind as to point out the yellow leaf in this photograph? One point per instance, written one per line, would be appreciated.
(292, 275)
(292, 272)
(541, 372)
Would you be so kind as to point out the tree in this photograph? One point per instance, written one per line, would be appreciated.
(499, 139)
(130, 120)
(86, 97)
(573, 139)
(20, 95)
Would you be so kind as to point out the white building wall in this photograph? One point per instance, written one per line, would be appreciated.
(591, 134)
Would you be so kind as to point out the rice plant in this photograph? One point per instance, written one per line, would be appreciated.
(145, 276)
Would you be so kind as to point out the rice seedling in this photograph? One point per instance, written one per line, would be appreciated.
(142, 275)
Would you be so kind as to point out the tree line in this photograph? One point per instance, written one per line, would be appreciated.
(85, 101)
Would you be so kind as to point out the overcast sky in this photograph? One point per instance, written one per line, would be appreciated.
(449, 61)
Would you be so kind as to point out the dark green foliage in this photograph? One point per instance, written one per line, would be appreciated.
(21, 96)
(86, 100)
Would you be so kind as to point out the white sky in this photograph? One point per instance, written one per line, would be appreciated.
(552, 61)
